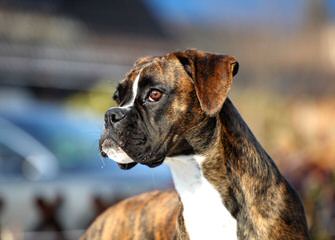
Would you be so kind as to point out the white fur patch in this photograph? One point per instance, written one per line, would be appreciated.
(117, 155)
(204, 213)
(134, 92)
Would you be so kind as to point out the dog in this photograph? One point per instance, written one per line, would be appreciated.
(175, 109)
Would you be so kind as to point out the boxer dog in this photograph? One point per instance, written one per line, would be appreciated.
(174, 109)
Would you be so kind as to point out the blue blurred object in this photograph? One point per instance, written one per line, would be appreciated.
(216, 12)
(49, 150)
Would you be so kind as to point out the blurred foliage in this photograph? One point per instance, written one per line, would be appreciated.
(291, 128)
(97, 100)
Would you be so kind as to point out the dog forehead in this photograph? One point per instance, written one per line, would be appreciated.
(162, 68)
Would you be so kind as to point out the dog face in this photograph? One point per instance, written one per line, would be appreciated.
(160, 101)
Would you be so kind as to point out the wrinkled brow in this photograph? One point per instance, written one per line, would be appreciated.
(124, 89)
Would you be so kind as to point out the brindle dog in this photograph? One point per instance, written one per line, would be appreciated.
(175, 109)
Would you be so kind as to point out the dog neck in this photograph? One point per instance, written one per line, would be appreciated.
(204, 214)
(237, 175)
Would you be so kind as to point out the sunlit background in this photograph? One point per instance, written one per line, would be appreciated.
(61, 59)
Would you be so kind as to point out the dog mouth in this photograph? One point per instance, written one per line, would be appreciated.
(126, 166)
(155, 163)
(109, 148)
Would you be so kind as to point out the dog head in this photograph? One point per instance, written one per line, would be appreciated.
(160, 101)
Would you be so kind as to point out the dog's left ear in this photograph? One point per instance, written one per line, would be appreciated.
(212, 75)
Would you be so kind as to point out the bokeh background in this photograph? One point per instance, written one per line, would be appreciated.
(61, 59)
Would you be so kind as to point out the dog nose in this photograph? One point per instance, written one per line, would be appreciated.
(114, 115)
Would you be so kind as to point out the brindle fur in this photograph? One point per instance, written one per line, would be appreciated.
(252, 188)
(137, 218)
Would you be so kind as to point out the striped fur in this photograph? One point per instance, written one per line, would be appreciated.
(152, 215)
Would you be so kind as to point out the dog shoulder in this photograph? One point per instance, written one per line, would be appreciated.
(151, 215)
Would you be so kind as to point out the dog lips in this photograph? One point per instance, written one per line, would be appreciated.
(115, 153)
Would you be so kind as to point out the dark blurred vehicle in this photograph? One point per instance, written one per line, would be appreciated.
(51, 175)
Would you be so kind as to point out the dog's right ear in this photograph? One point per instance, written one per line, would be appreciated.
(212, 75)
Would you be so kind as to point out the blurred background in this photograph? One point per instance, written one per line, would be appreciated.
(61, 59)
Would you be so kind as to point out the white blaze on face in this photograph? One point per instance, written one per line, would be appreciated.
(113, 151)
(134, 92)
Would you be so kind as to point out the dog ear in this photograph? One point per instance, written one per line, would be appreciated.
(212, 76)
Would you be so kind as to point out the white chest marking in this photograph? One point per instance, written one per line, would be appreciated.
(204, 213)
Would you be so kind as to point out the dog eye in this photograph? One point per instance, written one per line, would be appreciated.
(154, 95)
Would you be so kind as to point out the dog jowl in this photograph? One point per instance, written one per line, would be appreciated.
(175, 109)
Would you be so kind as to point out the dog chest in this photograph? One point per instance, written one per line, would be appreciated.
(204, 213)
